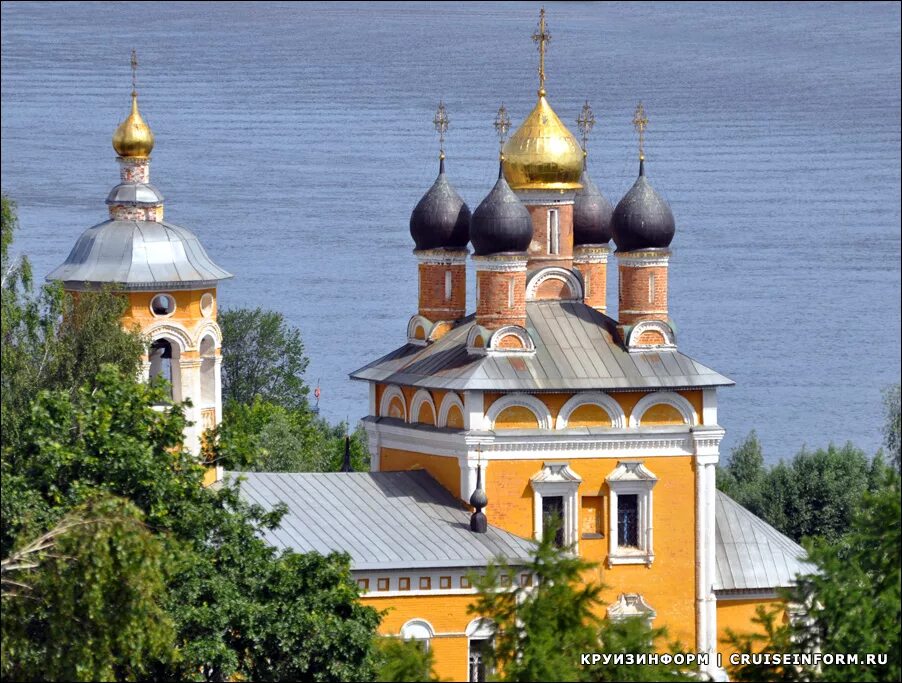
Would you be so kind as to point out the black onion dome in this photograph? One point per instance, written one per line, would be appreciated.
(500, 223)
(441, 218)
(591, 214)
(642, 219)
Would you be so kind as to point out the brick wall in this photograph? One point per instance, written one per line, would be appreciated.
(494, 296)
(539, 248)
(433, 304)
(643, 293)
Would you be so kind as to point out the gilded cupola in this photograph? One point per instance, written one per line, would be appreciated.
(133, 138)
(543, 154)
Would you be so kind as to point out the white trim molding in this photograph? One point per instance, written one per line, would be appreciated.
(554, 273)
(422, 396)
(478, 332)
(631, 477)
(665, 330)
(539, 409)
(557, 479)
(630, 605)
(209, 328)
(500, 263)
(171, 331)
(480, 628)
(449, 401)
(494, 342)
(644, 258)
(603, 401)
(442, 257)
(419, 321)
(670, 398)
(417, 629)
(390, 392)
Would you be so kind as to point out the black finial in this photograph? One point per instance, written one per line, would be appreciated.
(346, 464)
(478, 522)
(642, 166)
(441, 164)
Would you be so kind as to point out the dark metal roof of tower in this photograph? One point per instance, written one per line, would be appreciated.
(592, 214)
(500, 223)
(642, 219)
(441, 219)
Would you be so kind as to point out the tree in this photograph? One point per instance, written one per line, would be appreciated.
(83, 601)
(542, 629)
(404, 660)
(851, 600)
(50, 339)
(265, 437)
(813, 495)
(239, 607)
(892, 431)
(262, 356)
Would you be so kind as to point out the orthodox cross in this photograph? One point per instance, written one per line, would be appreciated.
(441, 122)
(134, 71)
(502, 124)
(585, 122)
(640, 121)
(542, 38)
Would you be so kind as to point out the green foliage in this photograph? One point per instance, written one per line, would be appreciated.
(852, 601)
(262, 356)
(265, 437)
(813, 495)
(541, 630)
(892, 430)
(239, 608)
(770, 636)
(51, 340)
(83, 602)
(404, 660)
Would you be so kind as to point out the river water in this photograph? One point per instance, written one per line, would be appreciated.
(295, 139)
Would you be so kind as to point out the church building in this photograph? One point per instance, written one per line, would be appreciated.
(542, 401)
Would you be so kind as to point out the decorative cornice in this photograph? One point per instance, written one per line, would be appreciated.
(442, 257)
(536, 279)
(643, 259)
(501, 263)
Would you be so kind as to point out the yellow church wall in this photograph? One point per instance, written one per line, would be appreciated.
(447, 614)
(445, 470)
(669, 583)
(657, 415)
(187, 307)
(737, 616)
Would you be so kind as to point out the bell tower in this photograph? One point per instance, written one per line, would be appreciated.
(166, 276)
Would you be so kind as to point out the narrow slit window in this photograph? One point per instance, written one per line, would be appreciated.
(651, 288)
(447, 285)
(553, 514)
(554, 232)
(510, 293)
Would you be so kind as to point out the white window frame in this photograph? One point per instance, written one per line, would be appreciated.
(419, 630)
(557, 479)
(631, 477)
(631, 606)
(554, 231)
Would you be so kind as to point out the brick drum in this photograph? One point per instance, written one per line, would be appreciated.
(433, 305)
(539, 256)
(492, 309)
(591, 262)
(636, 301)
(134, 170)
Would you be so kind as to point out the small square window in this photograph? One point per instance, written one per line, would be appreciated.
(382, 584)
(464, 581)
(525, 579)
(505, 580)
(444, 582)
(425, 583)
(404, 584)
(364, 584)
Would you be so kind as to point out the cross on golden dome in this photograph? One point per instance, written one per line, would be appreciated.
(441, 123)
(542, 37)
(134, 62)
(640, 122)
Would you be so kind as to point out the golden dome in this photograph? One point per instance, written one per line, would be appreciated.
(543, 154)
(133, 137)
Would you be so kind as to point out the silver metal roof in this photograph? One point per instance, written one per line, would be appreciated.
(138, 255)
(384, 520)
(750, 553)
(576, 348)
(134, 193)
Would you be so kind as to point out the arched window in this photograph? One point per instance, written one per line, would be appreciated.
(164, 356)
(208, 372)
(419, 630)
